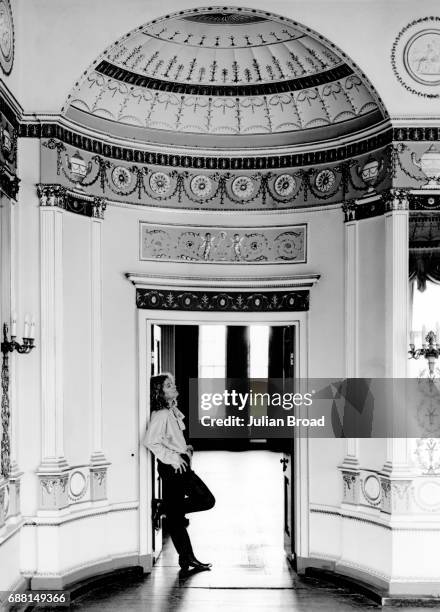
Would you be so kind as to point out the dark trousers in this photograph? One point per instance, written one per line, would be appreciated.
(182, 493)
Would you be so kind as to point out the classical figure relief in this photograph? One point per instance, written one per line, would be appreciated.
(415, 57)
(225, 245)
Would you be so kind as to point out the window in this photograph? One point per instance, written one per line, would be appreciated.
(212, 351)
(425, 314)
(259, 351)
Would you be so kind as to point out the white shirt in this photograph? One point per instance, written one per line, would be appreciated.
(164, 436)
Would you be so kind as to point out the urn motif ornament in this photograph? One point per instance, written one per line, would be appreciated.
(429, 164)
(370, 172)
(79, 168)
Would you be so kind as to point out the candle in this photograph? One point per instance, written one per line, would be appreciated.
(14, 324)
(412, 336)
(26, 327)
(32, 332)
(437, 332)
(423, 335)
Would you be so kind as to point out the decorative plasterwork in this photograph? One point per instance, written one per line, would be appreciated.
(5, 445)
(223, 294)
(78, 203)
(215, 244)
(219, 110)
(376, 205)
(226, 301)
(369, 489)
(187, 74)
(415, 57)
(6, 37)
(217, 190)
(78, 484)
(8, 147)
(56, 132)
(232, 283)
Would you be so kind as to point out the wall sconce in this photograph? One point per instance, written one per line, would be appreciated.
(430, 349)
(8, 346)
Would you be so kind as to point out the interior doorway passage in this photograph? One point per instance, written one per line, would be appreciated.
(237, 354)
(242, 536)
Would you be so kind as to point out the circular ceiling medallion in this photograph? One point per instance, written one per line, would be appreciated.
(285, 185)
(121, 177)
(325, 180)
(242, 187)
(201, 186)
(6, 37)
(160, 182)
(415, 57)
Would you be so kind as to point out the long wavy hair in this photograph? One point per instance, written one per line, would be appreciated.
(157, 398)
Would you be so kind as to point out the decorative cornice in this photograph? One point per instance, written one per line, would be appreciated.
(224, 283)
(80, 204)
(10, 113)
(195, 89)
(416, 134)
(279, 301)
(52, 130)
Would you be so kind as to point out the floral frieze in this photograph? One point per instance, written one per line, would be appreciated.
(213, 244)
(193, 188)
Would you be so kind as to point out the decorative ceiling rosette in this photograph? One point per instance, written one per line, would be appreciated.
(201, 186)
(190, 245)
(254, 247)
(242, 187)
(6, 37)
(284, 185)
(325, 181)
(160, 183)
(158, 243)
(289, 246)
(121, 177)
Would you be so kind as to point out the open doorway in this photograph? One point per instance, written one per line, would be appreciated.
(252, 479)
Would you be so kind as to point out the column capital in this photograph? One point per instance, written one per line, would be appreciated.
(397, 199)
(52, 195)
(99, 206)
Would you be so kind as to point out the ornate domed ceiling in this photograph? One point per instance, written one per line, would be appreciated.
(226, 72)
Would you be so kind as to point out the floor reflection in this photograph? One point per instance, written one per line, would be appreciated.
(242, 536)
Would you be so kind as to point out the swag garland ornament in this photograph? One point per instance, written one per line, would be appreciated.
(263, 188)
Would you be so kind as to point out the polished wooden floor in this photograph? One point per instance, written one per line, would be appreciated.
(242, 537)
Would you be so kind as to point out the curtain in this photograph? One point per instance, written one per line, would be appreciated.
(424, 265)
(424, 248)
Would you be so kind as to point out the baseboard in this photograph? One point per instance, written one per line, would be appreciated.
(376, 589)
(20, 587)
(91, 572)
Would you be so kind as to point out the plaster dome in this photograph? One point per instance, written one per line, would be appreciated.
(224, 72)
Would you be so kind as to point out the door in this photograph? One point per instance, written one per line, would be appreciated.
(156, 493)
(287, 461)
